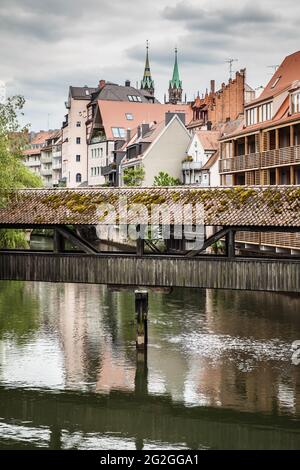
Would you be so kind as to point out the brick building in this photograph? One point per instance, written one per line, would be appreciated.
(221, 106)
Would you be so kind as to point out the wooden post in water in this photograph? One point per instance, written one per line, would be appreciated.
(141, 311)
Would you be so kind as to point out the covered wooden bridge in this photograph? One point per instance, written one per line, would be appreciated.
(224, 211)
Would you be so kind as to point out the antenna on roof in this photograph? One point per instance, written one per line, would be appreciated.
(230, 61)
(274, 67)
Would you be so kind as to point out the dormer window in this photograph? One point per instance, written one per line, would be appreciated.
(135, 98)
(118, 132)
(259, 114)
(295, 103)
(275, 82)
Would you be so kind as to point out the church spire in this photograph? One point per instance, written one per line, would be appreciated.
(175, 85)
(147, 83)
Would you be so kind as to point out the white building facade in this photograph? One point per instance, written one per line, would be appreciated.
(74, 141)
(199, 167)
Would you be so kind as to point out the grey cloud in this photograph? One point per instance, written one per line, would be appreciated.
(48, 45)
(219, 20)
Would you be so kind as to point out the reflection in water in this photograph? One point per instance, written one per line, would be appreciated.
(219, 371)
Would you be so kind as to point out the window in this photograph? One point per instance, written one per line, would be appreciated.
(118, 132)
(78, 124)
(78, 178)
(251, 116)
(78, 140)
(295, 99)
(259, 114)
(77, 158)
(134, 98)
(275, 82)
(129, 116)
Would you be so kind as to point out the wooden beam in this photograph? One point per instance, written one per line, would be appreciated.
(58, 242)
(276, 139)
(292, 136)
(277, 176)
(230, 244)
(292, 174)
(76, 240)
(214, 238)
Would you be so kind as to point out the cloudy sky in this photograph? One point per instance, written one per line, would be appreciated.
(48, 45)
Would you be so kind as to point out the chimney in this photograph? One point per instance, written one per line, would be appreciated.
(145, 129)
(139, 131)
(127, 83)
(212, 86)
(128, 135)
(101, 84)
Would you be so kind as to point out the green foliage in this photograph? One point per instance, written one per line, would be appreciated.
(218, 247)
(163, 179)
(134, 176)
(13, 173)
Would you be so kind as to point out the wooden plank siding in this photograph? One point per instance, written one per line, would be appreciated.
(215, 273)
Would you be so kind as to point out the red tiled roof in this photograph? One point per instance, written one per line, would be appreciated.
(287, 73)
(209, 139)
(211, 161)
(113, 114)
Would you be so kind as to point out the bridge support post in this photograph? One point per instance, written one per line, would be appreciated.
(58, 242)
(141, 311)
(230, 244)
(140, 244)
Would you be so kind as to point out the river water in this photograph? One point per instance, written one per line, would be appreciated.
(219, 370)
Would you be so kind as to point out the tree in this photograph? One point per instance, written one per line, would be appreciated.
(163, 179)
(134, 176)
(13, 173)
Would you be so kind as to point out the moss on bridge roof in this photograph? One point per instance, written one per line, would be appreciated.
(232, 206)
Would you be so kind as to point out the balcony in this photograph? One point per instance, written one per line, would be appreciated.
(279, 157)
(240, 163)
(256, 161)
(57, 165)
(46, 171)
(32, 163)
(191, 166)
(46, 158)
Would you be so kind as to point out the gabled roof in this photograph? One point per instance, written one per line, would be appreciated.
(209, 139)
(283, 78)
(82, 93)
(113, 114)
(114, 92)
(211, 161)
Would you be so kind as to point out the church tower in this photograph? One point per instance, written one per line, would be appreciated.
(175, 85)
(147, 83)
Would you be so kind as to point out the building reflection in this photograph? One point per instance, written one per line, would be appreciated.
(206, 348)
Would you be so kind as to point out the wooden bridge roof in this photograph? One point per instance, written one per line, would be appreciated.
(276, 206)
